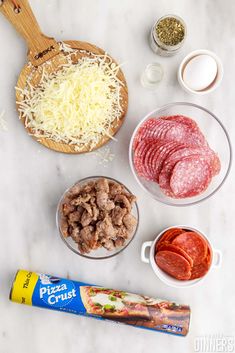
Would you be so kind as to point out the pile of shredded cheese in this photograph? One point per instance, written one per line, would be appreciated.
(77, 105)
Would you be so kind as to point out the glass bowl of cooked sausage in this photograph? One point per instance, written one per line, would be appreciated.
(97, 217)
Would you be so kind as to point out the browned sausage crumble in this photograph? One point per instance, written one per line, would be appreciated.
(98, 214)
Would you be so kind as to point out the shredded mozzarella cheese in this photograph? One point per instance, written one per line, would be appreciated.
(104, 156)
(77, 105)
(3, 124)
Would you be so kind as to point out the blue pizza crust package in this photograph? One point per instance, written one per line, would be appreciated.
(80, 298)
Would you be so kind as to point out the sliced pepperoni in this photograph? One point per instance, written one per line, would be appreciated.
(209, 255)
(169, 236)
(173, 264)
(201, 269)
(177, 250)
(193, 244)
(190, 177)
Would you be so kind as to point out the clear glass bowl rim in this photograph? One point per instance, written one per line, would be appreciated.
(167, 106)
(64, 240)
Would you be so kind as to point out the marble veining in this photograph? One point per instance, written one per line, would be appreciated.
(33, 178)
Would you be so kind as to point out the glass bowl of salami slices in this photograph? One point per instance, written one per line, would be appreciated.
(180, 154)
(181, 256)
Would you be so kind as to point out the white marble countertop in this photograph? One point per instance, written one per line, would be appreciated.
(32, 179)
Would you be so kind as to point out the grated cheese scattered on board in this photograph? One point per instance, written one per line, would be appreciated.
(65, 48)
(76, 105)
(3, 123)
(105, 156)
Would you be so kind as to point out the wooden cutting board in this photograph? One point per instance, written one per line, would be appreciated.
(42, 50)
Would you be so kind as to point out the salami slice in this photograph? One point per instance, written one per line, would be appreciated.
(149, 129)
(157, 162)
(179, 153)
(173, 264)
(193, 244)
(139, 156)
(190, 177)
(181, 133)
(186, 129)
(159, 145)
(205, 153)
(177, 250)
(183, 120)
(143, 130)
(147, 164)
(165, 127)
(144, 154)
(158, 128)
(215, 162)
(165, 176)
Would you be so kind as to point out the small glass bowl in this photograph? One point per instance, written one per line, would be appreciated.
(160, 48)
(100, 253)
(152, 76)
(217, 137)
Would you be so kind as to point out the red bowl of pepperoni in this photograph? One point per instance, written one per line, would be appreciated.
(181, 256)
(180, 154)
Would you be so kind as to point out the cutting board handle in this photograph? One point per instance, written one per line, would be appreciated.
(19, 13)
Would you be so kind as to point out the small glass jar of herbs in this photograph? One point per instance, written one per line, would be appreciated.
(168, 35)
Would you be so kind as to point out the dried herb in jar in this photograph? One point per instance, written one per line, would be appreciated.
(170, 31)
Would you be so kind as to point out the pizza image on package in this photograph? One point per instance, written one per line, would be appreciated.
(116, 304)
